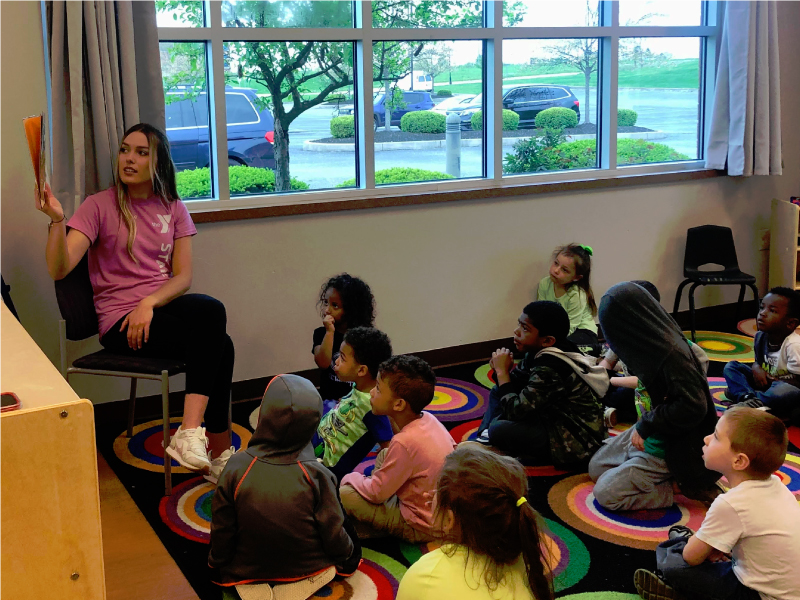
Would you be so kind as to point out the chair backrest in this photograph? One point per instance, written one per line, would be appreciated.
(76, 302)
(709, 244)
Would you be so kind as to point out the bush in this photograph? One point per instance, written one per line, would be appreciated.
(550, 152)
(445, 93)
(335, 98)
(243, 180)
(510, 120)
(343, 127)
(401, 175)
(423, 121)
(626, 117)
(556, 118)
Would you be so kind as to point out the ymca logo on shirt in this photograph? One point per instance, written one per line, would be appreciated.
(163, 223)
(163, 259)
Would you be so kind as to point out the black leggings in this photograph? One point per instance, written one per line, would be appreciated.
(190, 328)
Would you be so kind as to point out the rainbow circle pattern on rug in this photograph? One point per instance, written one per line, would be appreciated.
(748, 327)
(456, 400)
(722, 347)
(366, 466)
(789, 473)
(377, 578)
(717, 387)
(601, 596)
(572, 500)
(466, 431)
(187, 512)
(144, 450)
(794, 436)
(568, 557)
(485, 375)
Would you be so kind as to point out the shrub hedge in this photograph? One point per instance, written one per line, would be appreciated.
(444, 93)
(423, 121)
(556, 118)
(196, 183)
(401, 175)
(510, 120)
(626, 117)
(343, 127)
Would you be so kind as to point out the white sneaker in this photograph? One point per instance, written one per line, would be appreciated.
(189, 448)
(218, 465)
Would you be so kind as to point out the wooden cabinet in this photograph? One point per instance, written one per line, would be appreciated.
(784, 245)
(50, 530)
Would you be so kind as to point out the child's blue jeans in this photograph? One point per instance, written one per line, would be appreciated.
(706, 581)
(781, 397)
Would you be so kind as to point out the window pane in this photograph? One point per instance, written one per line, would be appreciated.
(306, 156)
(660, 12)
(188, 13)
(427, 14)
(411, 145)
(183, 68)
(287, 13)
(538, 13)
(659, 100)
(550, 105)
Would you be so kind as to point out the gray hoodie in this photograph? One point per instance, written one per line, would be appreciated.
(276, 515)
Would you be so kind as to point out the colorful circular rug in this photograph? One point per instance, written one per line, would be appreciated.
(717, 387)
(456, 400)
(789, 473)
(366, 466)
(573, 501)
(144, 449)
(377, 578)
(485, 375)
(187, 511)
(722, 347)
(794, 436)
(748, 327)
(619, 428)
(465, 431)
(601, 596)
(568, 556)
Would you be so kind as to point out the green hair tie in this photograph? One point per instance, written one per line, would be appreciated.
(588, 249)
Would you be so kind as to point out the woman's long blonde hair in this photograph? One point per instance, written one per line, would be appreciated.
(162, 174)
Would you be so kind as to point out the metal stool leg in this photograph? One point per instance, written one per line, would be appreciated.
(165, 418)
(739, 302)
(678, 296)
(131, 406)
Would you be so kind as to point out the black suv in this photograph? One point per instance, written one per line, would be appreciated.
(525, 100)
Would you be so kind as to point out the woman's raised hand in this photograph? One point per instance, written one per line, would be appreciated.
(51, 206)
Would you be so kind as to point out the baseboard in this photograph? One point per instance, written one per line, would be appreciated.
(242, 391)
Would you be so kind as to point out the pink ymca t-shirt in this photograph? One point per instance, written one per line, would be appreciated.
(118, 282)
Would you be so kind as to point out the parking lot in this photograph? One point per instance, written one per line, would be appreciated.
(672, 111)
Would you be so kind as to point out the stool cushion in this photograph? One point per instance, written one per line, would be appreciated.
(107, 361)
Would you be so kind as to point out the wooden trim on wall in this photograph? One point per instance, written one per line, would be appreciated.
(213, 215)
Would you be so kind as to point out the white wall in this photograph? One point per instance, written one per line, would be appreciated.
(442, 275)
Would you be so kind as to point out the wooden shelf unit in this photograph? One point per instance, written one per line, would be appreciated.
(784, 245)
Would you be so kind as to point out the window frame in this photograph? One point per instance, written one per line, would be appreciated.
(607, 174)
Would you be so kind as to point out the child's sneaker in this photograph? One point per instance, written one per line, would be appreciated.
(189, 448)
(610, 417)
(483, 438)
(677, 531)
(218, 465)
(651, 587)
(752, 401)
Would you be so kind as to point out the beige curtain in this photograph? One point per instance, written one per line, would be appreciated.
(105, 76)
(745, 129)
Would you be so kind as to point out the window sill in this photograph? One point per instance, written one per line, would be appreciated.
(205, 212)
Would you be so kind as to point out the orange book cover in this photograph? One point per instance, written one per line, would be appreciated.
(34, 132)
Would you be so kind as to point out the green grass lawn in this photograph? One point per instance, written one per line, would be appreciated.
(683, 73)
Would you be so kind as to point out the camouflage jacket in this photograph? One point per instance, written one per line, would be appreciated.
(547, 388)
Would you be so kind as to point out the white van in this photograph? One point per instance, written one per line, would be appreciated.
(423, 82)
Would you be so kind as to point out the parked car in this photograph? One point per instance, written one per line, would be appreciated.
(527, 101)
(414, 101)
(453, 104)
(250, 131)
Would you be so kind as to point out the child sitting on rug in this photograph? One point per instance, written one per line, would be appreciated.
(394, 500)
(547, 409)
(344, 302)
(774, 378)
(493, 546)
(349, 429)
(748, 546)
(568, 284)
(636, 469)
(275, 516)
(627, 395)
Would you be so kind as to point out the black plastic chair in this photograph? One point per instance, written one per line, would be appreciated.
(712, 244)
(79, 322)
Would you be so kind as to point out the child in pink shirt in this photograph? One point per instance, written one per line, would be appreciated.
(395, 500)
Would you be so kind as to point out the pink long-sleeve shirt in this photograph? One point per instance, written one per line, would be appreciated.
(410, 469)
